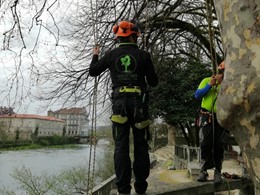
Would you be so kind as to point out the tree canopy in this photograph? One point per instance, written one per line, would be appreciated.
(174, 32)
(173, 98)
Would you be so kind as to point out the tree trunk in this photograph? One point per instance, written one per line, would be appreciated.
(239, 99)
(171, 135)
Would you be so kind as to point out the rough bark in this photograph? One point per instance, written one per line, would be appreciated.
(239, 100)
(171, 135)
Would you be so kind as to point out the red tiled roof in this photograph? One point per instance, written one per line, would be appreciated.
(71, 111)
(31, 116)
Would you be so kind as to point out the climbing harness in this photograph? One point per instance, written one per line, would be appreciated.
(126, 89)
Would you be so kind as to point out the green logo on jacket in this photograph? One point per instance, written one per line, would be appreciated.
(126, 61)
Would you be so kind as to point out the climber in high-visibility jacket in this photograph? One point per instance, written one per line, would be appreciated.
(132, 71)
(211, 135)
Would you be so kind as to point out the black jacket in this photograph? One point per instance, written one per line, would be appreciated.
(128, 66)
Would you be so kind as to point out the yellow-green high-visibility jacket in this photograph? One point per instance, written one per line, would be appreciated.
(207, 94)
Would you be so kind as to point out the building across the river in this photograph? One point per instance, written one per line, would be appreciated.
(76, 120)
(23, 126)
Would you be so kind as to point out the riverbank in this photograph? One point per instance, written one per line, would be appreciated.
(37, 146)
(36, 143)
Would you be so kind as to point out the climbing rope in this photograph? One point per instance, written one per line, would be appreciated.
(213, 55)
(91, 174)
(146, 25)
(213, 62)
(227, 182)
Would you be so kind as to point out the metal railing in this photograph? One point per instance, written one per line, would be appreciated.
(185, 154)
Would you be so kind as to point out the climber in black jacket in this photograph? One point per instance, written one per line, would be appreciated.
(132, 71)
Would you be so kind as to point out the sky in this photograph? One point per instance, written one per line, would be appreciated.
(17, 83)
(38, 46)
(19, 57)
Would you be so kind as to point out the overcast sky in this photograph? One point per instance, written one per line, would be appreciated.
(17, 83)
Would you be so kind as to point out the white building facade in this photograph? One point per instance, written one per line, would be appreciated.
(76, 119)
(24, 125)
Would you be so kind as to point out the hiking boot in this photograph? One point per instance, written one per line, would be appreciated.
(203, 176)
(217, 177)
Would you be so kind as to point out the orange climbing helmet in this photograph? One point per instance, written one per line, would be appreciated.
(125, 29)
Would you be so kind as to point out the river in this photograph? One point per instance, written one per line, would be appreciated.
(48, 161)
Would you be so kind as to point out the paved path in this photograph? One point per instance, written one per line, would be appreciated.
(162, 179)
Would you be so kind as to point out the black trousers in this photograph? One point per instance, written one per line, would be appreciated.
(212, 148)
(128, 106)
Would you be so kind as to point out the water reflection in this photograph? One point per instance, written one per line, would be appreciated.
(49, 161)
